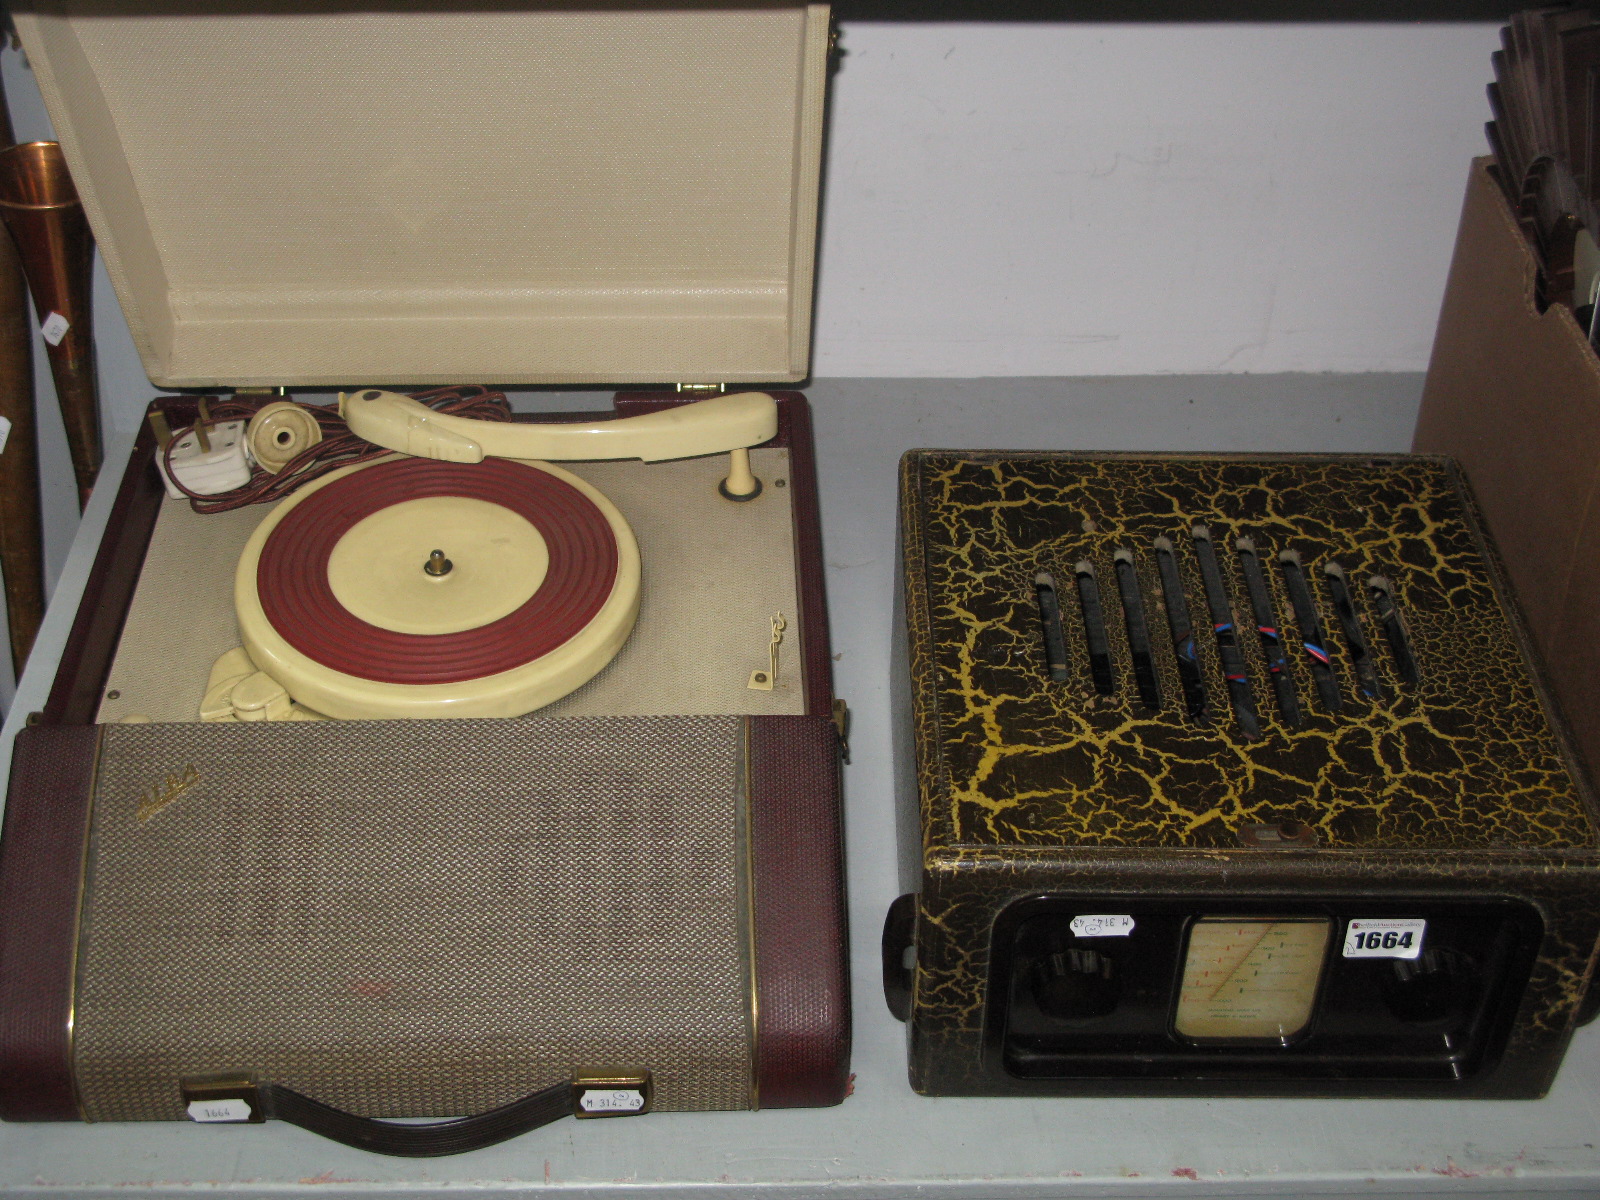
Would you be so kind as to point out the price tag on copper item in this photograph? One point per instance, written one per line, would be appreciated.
(611, 1100)
(55, 328)
(1400, 938)
(1102, 926)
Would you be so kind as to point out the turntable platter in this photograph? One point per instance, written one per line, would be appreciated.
(414, 588)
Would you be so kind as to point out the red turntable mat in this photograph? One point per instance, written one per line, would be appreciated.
(292, 580)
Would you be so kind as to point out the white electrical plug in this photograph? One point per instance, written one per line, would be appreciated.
(220, 469)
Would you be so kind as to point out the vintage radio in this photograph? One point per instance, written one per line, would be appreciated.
(1228, 775)
(242, 877)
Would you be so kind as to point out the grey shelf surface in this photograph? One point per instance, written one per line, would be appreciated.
(884, 1140)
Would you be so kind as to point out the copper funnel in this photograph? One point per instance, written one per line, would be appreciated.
(41, 209)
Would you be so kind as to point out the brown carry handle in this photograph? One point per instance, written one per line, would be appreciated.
(238, 1099)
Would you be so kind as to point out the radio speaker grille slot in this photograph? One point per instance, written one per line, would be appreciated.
(1361, 626)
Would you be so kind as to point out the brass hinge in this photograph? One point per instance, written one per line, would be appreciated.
(702, 389)
(261, 391)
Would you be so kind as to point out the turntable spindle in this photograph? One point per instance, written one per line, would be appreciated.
(438, 566)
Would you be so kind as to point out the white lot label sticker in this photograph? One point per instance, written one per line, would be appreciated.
(219, 1110)
(1384, 939)
(614, 1100)
(55, 328)
(1102, 926)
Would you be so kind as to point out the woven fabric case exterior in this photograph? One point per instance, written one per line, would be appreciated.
(279, 265)
(289, 918)
(1461, 784)
(414, 925)
(407, 925)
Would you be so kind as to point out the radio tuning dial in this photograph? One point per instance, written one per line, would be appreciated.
(1075, 984)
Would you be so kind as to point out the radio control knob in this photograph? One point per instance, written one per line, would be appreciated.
(1075, 984)
(1431, 987)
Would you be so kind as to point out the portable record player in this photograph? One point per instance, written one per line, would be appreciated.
(1228, 775)
(246, 870)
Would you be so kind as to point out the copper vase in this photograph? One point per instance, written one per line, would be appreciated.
(41, 209)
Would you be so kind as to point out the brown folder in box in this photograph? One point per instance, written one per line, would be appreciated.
(1514, 394)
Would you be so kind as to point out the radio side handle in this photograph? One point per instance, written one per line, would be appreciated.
(899, 938)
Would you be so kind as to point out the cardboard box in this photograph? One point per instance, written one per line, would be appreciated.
(1514, 394)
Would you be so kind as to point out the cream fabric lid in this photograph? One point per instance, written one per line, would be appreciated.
(330, 193)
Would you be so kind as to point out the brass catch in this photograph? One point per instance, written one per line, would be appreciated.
(841, 725)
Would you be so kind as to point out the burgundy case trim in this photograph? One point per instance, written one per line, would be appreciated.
(41, 876)
(802, 1050)
(92, 644)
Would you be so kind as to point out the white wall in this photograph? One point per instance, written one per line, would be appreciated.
(1098, 200)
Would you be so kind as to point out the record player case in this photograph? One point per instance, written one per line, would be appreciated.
(708, 950)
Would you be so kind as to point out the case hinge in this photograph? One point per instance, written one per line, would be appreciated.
(702, 389)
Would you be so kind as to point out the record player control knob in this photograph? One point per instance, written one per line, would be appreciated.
(1075, 984)
(438, 566)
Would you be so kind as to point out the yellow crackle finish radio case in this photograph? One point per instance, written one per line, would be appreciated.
(1227, 775)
